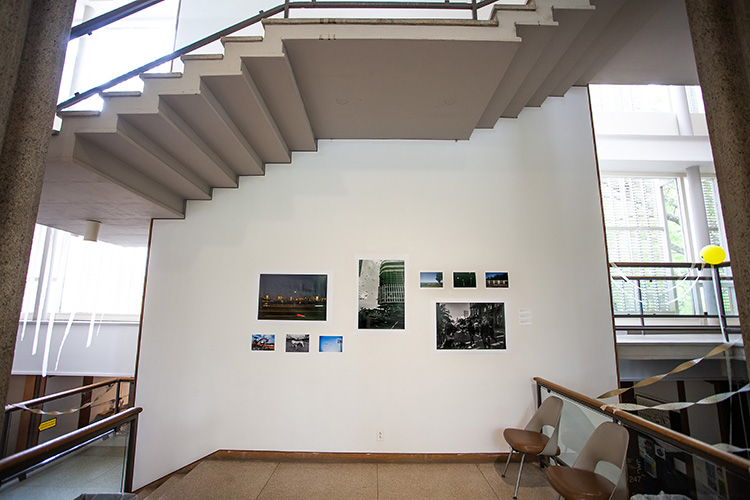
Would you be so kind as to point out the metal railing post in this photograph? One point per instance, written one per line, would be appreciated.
(4, 437)
(286, 9)
(719, 302)
(640, 306)
(474, 9)
(117, 397)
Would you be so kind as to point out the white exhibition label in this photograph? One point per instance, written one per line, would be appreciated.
(524, 316)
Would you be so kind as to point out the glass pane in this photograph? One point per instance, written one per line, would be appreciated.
(97, 467)
(655, 466)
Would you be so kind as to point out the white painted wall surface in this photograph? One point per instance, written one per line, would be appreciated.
(521, 198)
(111, 352)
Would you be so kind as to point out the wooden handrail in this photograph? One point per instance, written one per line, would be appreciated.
(737, 464)
(71, 392)
(16, 464)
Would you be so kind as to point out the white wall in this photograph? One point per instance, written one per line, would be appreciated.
(521, 198)
(111, 352)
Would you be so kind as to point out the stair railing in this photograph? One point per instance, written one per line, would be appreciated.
(121, 400)
(88, 27)
(640, 282)
(20, 464)
(678, 458)
(284, 8)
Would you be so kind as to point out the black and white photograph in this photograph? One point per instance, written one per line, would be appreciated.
(470, 325)
(464, 280)
(297, 342)
(295, 297)
(381, 294)
(496, 280)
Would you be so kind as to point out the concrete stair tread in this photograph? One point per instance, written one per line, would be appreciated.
(226, 479)
(161, 490)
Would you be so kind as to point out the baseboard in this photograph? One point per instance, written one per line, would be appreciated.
(342, 457)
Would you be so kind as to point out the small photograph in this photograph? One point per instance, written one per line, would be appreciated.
(264, 342)
(470, 325)
(464, 280)
(496, 280)
(431, 280)
(331, 343)
(297, 342)
(381, 295)
(295, 297)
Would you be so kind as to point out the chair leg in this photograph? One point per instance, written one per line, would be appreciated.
(507, 462)
(518, 481)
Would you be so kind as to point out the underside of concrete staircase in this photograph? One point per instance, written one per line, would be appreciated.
(229, 115)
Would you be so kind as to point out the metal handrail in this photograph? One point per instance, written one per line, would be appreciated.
(715, 278)
(737, 464)
(52, 397)
(20, 463)
(24, 405)
(88, 27)
(281, 8)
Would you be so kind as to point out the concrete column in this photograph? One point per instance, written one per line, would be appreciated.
(720, 31)
(699, 229)
(44, 29)
(679, 101)
(14, 16)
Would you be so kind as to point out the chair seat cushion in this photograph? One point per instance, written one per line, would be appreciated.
(577, 484)
(525, 441)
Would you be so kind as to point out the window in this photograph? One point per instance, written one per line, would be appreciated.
(645, 222)
(70, 276)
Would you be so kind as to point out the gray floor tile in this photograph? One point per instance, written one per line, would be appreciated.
(534, 485)
(432, 482)
(327, 481)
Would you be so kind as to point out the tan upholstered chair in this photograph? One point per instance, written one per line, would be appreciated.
(608, 443)
(531, 439)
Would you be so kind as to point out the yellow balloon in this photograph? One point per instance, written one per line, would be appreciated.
(713, 254)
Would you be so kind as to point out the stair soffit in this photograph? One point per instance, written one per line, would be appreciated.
(333, 78)
(396, 89)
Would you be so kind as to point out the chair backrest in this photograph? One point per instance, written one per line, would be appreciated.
(547, 414)
(608, 443)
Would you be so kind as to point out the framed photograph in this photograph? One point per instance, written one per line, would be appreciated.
(464, 280)
(381, 295)
(470, 325)
(264, 342)
(431, 280)
(331, 343)
(496, 280)
(293, 297)
(297, 342)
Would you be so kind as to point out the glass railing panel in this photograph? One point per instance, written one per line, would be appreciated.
(577, 423)
(667, 297)
(116, 49)
(659, 461)
(25, 429)
(95, 467)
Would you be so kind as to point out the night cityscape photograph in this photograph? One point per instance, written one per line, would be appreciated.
(295, 297)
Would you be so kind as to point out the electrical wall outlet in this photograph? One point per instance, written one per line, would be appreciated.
(379, 436)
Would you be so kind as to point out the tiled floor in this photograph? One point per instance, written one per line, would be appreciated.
(98, 469)
(259, 480)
